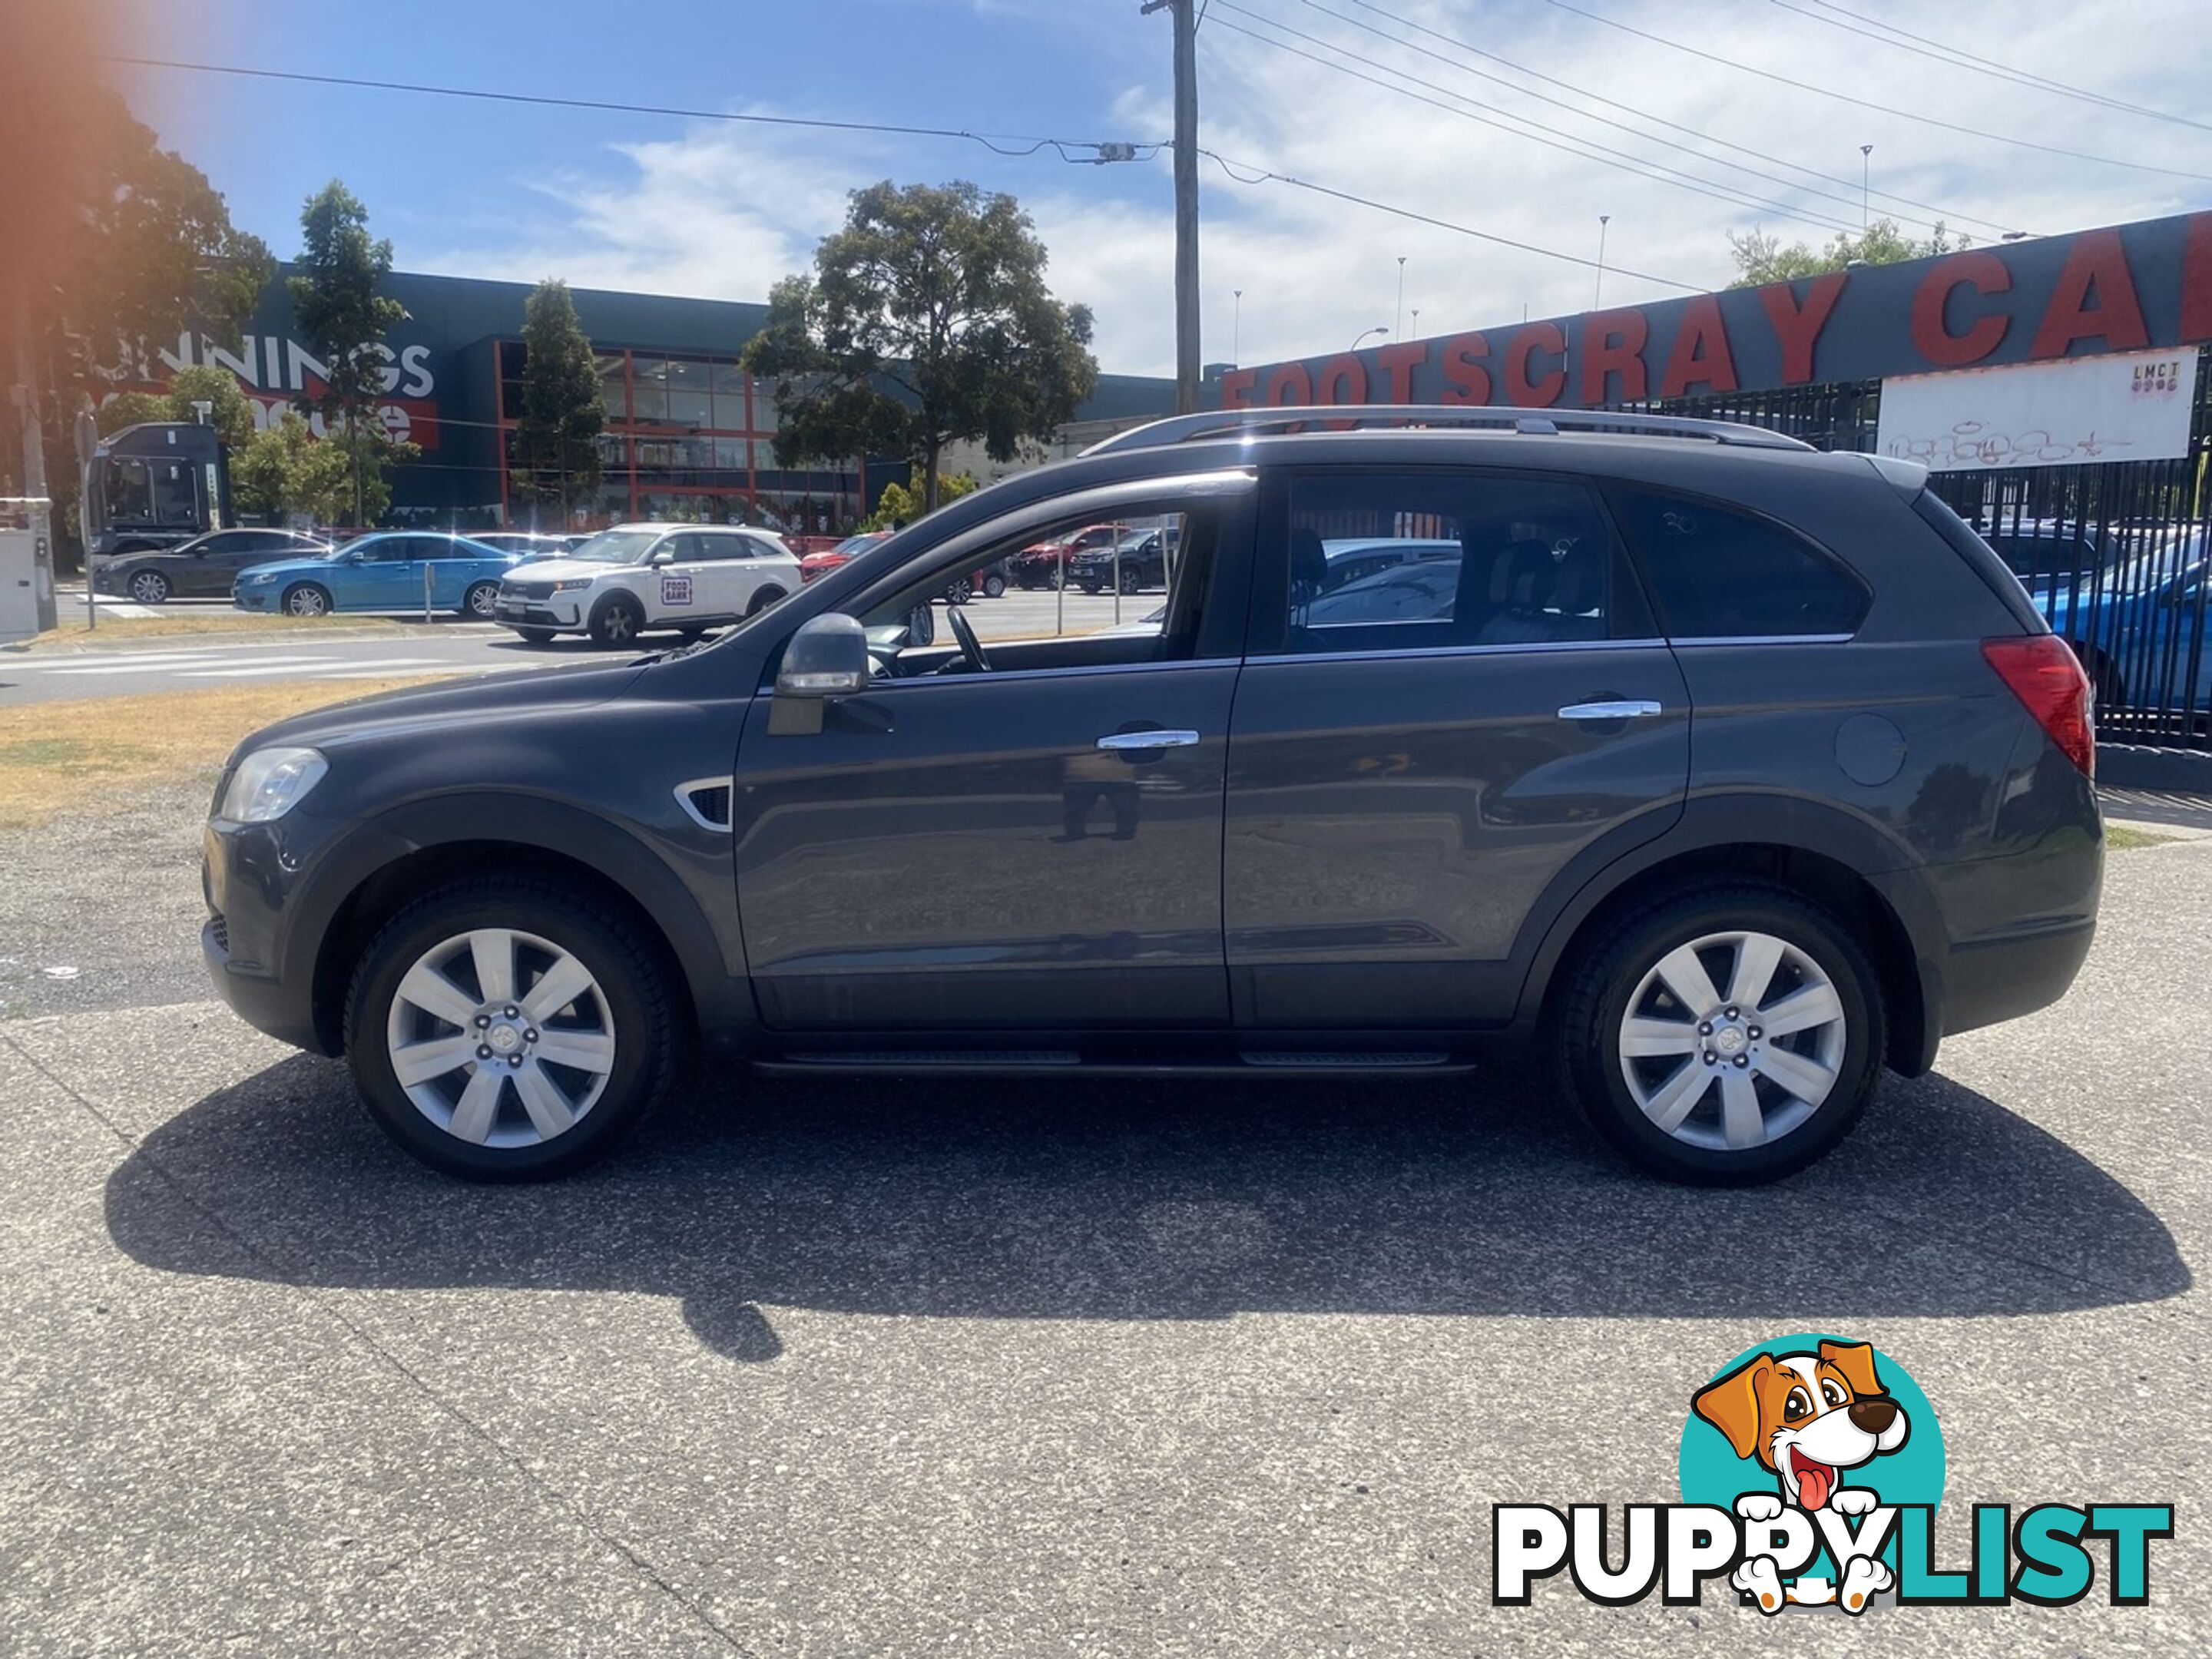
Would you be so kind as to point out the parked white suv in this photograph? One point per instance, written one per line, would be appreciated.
(640, 576)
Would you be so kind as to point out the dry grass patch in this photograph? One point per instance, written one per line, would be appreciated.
(56, 756)
(187, 625)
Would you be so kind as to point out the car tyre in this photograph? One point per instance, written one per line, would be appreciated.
(307, 600)
(1131, 581)
(150, 587)
(762, 600)
(623, 1018)
(1620, 1060)
(1090, 586)
(994, 587)
(535, 636)
(618, 621)
(479, 600)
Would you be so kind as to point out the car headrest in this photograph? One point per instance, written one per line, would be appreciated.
(1309, 561)
(1522, 576)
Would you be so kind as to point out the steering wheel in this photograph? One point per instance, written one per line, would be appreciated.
(965, 631)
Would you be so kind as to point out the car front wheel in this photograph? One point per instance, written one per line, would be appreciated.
(1724, 1036)
(509, 1029)
(150, 587)
(619, 621)
(306, 601)
(480, 598)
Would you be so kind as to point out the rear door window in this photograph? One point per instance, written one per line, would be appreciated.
(1718, 573)
(1496, 559)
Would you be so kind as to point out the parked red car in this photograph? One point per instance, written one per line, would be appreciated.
(1045, 563)
(821, 564)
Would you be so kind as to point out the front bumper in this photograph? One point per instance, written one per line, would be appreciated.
(254, 598)
(534, 613)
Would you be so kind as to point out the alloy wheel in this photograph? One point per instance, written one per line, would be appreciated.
(501, 1038)
(306, 602)
(1732, 1040)
(150, 587)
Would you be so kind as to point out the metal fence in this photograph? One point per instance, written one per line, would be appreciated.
(2115, 553)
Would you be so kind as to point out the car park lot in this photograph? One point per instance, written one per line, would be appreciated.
(903, 1364)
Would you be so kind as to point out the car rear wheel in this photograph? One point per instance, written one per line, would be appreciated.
(150, 587)
(618, 621)
(1722, 1036)
(762, 600)
(509, 1029)
(480, 598)
(994, 587)
(306, 601)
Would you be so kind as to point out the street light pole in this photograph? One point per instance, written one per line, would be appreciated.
(1866, 178)
(1237, 329)
(1597, 293)
(1398, 322)
(1377, 329)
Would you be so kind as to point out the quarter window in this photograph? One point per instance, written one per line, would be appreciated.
(1719, 573)
(1386, 561)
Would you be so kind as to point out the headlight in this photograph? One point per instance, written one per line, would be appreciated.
(270, 782)
(253, 578)
(572, 585)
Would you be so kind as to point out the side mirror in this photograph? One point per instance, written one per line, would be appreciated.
(661, 555)
(827, 657)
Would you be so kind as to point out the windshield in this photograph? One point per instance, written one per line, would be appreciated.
(617, 546)
(853, 544)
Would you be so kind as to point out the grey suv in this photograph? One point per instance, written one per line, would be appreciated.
(1731, 772)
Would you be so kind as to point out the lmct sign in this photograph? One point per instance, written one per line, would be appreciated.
(2126, 288)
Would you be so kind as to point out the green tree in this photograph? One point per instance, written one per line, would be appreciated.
(131, 409)
(1762, 257)
(556, 449)
(265, 469)
(337, 302)
(111, 245)
(233, 415)
(902, 504)
(926, 321)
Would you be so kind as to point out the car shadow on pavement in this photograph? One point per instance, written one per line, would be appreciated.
(1088, 1200)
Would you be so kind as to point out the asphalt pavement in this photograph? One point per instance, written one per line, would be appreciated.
(993, 1368)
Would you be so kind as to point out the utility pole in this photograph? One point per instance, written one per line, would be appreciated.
(1398, 322)
(1866, 183)
(1597, 291)
(1185, 14)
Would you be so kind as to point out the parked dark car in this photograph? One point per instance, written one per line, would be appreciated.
(1137, 559)
(1727, 772)
(1045, 563)
(203, 568)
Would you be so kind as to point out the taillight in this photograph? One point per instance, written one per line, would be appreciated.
(2047, 675)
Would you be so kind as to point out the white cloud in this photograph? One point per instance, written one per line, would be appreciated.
(723, 211)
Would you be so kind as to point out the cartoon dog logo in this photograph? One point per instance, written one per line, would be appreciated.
(1806, 1418)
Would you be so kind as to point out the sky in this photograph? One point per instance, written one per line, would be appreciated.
(697, 206)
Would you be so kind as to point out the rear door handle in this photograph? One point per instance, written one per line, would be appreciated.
(1117, 740)
(1623, 708)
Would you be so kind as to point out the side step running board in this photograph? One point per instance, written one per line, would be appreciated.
(1041, 1061)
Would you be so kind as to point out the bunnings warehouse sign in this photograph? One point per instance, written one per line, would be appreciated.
(2123, 289)
(2134, 406)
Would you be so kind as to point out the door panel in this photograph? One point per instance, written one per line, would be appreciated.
(957, 852)
(1392, 821)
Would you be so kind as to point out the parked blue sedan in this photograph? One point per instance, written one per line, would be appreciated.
(387, 571)
(2140, 628)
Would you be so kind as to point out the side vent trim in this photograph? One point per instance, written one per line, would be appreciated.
(707, 801)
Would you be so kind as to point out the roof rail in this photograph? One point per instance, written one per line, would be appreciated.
(1228, 423)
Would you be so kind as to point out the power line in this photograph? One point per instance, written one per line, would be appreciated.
(1960, 58)
(997, 141)
(1560, 103)
(1657, 172)
(1883, 109)
(1265, 175)
(1943, 214)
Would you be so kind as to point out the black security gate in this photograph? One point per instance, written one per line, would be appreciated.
(2115, 553)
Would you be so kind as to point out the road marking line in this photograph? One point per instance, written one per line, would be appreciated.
(306, 668)
(198, 665)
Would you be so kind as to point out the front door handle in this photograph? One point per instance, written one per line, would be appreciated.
(1620, 708)
(1118, 740)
